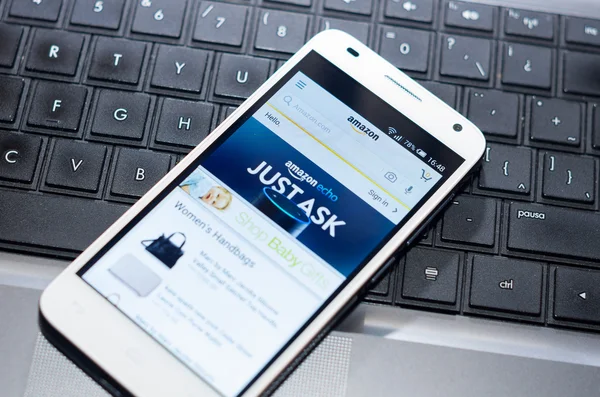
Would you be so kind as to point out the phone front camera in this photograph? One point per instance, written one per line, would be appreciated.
(457, 127)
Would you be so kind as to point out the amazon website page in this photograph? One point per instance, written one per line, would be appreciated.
(260, 233)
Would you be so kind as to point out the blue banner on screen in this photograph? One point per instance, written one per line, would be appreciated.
(298, 195)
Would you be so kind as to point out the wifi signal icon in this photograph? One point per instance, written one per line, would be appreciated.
(392, 131)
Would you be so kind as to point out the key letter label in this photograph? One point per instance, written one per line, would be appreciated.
(120, 114)
(182, 122)
(99, 6)
(53, 51)
(117, 58)
(241, 78)
(11, 156)
(179, 67)
(56, 105)
(140, 174)
(76, 166)
(451, 42)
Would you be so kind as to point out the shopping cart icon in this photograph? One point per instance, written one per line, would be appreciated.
(426, 176)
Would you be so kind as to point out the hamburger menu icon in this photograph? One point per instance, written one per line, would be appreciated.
(282, 211)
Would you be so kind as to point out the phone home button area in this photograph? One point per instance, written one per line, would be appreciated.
(507, 285)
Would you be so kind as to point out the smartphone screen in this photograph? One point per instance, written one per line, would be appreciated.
(244, 248)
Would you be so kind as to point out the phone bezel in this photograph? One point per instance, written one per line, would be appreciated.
(140, 364)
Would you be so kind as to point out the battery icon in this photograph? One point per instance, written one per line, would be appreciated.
(421, 153)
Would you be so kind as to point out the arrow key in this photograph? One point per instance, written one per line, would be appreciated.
(576, 295)
(76, 165)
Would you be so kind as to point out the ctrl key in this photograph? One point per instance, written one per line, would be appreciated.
(18, 156)
(506, 285)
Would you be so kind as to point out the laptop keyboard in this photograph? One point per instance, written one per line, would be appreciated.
(99, 99)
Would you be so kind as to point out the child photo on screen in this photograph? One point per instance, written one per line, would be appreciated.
(199, 186)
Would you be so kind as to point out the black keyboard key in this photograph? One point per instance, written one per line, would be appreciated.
(506, 285)
(159, 17)
(596, 127)
(121, 114)
(576, 295)
(9, 45)
(43, 10)
(57, 106)
(184, 123)
(407, 49)
(11, 90)
(221, 23)
(18, 157)
(117, 60)
(506, 168)
(54, 51)
(105, 14)
(555, 121)
(581, 73)
(569, 177)
(446, 92)
(137, 171)
(470, 220)
(359, 30)
(411, 10)
(76, 165)
(527, 65)
(69, 223)
(229, 111)
(302, 3)
(361, 7)
(470, 16)
(582, 31)
(552, 230)
(179, 68)
(529, 24)
(281, 31)
(494, 112)
(466, 57)
(431, 275)
(238, 76)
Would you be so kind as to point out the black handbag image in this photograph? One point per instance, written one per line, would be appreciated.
(164, 249)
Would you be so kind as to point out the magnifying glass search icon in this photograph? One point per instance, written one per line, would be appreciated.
(287, 99)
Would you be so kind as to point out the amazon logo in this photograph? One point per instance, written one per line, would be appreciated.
(362, 129)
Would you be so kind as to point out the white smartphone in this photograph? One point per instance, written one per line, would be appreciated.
(227, 272)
